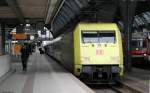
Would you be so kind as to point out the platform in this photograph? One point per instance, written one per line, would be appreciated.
(43, 76)
(138, 80)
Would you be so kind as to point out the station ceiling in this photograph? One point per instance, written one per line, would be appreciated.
(58, 13)
(26, 9)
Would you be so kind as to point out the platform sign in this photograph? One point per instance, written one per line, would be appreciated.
(19, 36)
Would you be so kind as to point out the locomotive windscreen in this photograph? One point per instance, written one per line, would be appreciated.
(98, 36)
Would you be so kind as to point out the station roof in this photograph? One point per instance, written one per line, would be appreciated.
(55, 13)
(30, 9)
(47, 11)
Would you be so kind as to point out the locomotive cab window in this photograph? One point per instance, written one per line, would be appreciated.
(98, 36)
(90, 37)
(107, 37)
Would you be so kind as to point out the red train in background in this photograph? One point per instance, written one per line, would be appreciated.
(140, 49)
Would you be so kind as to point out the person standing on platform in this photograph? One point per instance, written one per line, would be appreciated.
(24, 57)
(41, 50)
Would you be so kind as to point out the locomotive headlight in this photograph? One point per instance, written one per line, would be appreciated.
(137, 49)
(115, 69)
(145, 54)
(115, 59)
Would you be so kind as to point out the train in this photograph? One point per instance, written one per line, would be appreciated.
(140, 50)
(93, 52)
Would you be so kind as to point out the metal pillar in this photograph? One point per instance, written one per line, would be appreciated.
(128, 11)
(3, 37)
(0, 41)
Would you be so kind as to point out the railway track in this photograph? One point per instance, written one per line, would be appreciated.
(121, 88)
(102, 89)
(124, 89)
(142, 64)
(115, 90)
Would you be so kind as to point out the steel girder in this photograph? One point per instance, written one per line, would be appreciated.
(68, 11)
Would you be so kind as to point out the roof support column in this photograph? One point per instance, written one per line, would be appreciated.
(0, 41)
(3, 38)
(128, 11)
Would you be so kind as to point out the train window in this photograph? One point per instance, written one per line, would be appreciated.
(134, 43)
(144, 44)
(98, 36)
(107, 37)
(138, 44)
(90, 37)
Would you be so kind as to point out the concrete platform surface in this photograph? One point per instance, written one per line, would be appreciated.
(43, 76)
(138, 79)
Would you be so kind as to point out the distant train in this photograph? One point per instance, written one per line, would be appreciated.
(93, 52)
(140, 49)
